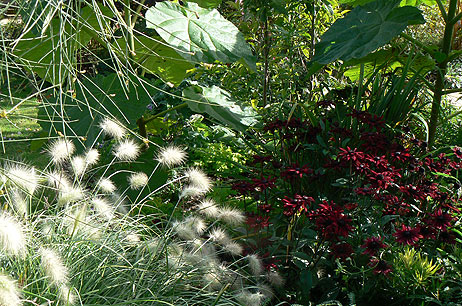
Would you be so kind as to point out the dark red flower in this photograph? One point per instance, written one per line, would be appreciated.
(380, 180)
(264, 183)
(427, 232)
(341, 250)
(447, 237)
(243, 187)
(296, 171)
(350, 206)
(372, 245)
(349, 154)
(380, 266)
(257, 222)
(407, 235)
(330, 221)
(297, 204)
(259, 159)
(457, 152)
(440, 220)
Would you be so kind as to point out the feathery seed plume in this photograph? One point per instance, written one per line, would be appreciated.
(208, 208)
(255, 265)
(53, 267)
(78, 165)
(91, 157)
(231, 216)
(70, 194)
(103, 208)
(106, 185)
(192, 192)
(127, 150)
(233, 248)
(248, 298)
(218, 235)
(58, 180)
(60, 150)
(112, 128)
(184, 230)
(9, 292)
(138, 180)
(198, 179)
(23, 177)
(66, 295)
(171, 156)
(275, 279)
(12, 237)
(19, 202)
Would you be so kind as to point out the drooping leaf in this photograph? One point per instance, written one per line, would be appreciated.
(207, 3)
(202, 34)
(157, 58)
(219, 104)
(80, 114)
(365, 29)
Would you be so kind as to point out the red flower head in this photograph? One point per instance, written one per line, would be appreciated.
(341, 250)
(440, 220)
(298, 204)
(458, 152)
(407, 235)
(427, 232)
(296, 171)
(349, 154)
(373, 245)
(331, 222)
(447, 237)
(243, 187)
(380, 266)
(257, 222)
(264, 183)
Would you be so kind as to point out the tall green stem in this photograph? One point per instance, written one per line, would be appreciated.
(441, 69)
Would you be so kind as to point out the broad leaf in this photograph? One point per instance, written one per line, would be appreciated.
(219, 104)
(365, 29)
(403, 2)
(207, 3)
(202, 34)
(157, 58)
(95, 98)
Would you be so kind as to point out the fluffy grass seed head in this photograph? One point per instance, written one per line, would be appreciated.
(198, 179)
(58, 180)
(231, 216)
(112, 128)
(18, 202)
(248, 298)
(61, 150)
(54, 268)
(191, 191)
(22, 177)
(66, 295)
(219, 236)
(208, 208)
(106, 185)
(171, 156)
(233, 248)
(103, 208)
(275, 279)
(12, 237)
(78, 165)
(184, 230)
(9, 292)
(91, 157)
(138, 180)
(127, 150)
(70, 194)
(255, 264)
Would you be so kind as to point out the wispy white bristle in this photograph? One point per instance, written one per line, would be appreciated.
(198, 179)
(92, 157)
(112, 128)
(12, 237)
(233, 247)
(106, 185)
(9, 292)
(189, 229)
(58, 180)
(218, 235)
(248, 298)
(70, 194)
(138, 180)
(127, 150)
(197, 224)
(208, 208)
(22, 177)
(275, 279)
(255, 265)
(54, 268)
(171, 156)
(231, 216)
(18, 202)
(78, 165)
(61, 150)
(66, 295)
(103, 208)
(192, 192)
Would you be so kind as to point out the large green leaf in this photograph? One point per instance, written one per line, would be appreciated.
(365, 29)
(157, 58)
(219, 104)
(203, 35)
(403, 2)
(45, 53)
(80, 114)
(207, 3)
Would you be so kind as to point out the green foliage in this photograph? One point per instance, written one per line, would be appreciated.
(201, 35)
(365, 29)
(219, 104)
(207, 3)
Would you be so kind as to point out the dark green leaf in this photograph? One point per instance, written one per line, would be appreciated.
(365, 29)
(219, 104)
(201, 35)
